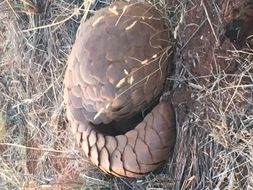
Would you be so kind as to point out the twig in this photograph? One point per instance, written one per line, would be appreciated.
(209, 21)
(54, 23)
(11, 8)
(33, 148)
(193, 34)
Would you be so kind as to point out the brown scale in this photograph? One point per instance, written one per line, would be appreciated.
(116, 69)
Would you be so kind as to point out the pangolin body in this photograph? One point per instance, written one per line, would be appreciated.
(117, 66)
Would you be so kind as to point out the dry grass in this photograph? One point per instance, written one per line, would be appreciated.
(213, 151)
(37, 150)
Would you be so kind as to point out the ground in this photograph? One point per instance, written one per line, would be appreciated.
(211, 92)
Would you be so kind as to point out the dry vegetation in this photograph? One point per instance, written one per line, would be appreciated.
(214, 147)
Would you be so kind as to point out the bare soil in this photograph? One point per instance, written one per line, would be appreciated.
(210, 103)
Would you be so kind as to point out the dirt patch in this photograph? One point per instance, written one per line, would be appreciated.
(213, 94)
(211, 34)
(238, 20)
(201, 51)
(207, 49)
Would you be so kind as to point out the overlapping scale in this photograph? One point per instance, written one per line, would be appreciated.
(114, 71)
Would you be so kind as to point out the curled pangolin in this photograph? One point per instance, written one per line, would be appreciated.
(117, 67)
